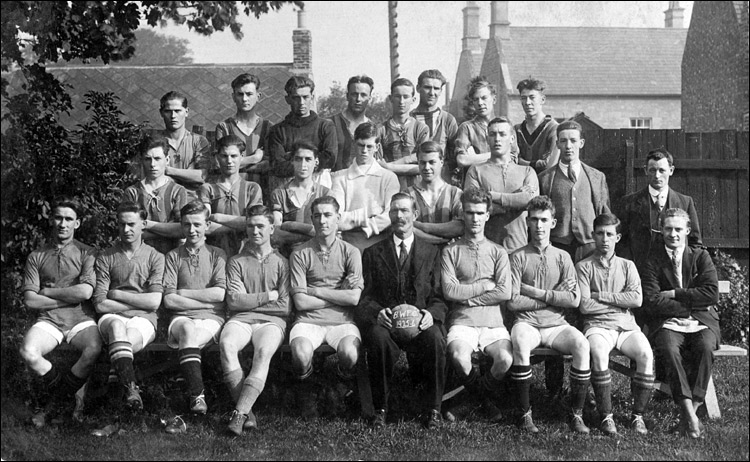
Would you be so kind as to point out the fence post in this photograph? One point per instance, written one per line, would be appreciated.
(629, 166)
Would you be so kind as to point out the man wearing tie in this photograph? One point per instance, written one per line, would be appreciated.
(641, 230)
(680, 287)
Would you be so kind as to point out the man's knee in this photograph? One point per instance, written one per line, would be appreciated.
(30, 353)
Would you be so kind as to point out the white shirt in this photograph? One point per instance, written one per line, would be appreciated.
(408, 241)
(659, 196)
(576, 168)
(686, 325)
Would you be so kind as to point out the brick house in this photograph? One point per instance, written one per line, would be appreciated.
(621, 77)
(715, 68)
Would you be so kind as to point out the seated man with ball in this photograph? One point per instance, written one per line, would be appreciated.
(402, 308)
(476, 280)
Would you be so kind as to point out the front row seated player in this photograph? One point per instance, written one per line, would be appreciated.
(326, 283)
(128, 292)
(194, 289)
(258, 302)
(58, 281)
(544, 285)
(610, 290)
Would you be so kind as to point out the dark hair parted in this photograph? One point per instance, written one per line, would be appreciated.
(659, 154)
(153, 141)
(607, 219)
(531, 84)
(195, 207)
(69, 203)
(360, 79)
(431, 74)
(570, 125)
(230, 140)
(131, 207)
(367, 130)
(402, 82)
(243, 79)
(259, 210)
(298, 81)
(322, 200)
(306, 145)
(430, 146)
(169, 96)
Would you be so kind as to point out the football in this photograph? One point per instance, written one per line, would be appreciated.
(405, 322)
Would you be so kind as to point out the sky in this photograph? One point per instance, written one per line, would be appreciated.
(351, 38)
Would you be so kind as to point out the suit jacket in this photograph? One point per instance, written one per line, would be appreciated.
(380, 272)
(699, 292)
(599, 192)
(635, 215)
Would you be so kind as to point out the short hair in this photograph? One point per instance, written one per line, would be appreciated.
(607, 219)
(195, 207)
(360, 79)
(431, 146)
(541, 203)
(69, 203)
(306, 145)
(298, 81)
(431, 74)
(402, 195)
(500, 120)
(259, 210)
(659, 154)
(243, 79)
(675, 212)
(169, 96)
(477, 83)
(153, 141)
(366, 130)
(570, 125)
(230, 140)
(131, 207)
(476, 196)
(323, 200)
(402, 82)
(531, 84)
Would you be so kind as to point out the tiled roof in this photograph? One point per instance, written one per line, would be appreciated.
(207, 88)
(598, 60)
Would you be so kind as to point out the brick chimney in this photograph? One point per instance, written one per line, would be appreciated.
(471, 40)
(673, 17)
(302, 43)
(499, 24)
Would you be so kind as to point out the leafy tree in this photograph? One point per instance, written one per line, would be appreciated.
(335, 102)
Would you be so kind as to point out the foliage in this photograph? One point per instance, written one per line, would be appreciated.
(733, 307)
(335, 102)
(151, 48)
(41, 159)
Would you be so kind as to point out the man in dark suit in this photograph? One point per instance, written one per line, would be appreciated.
(640, 211)
(403, 269)
(680, 287)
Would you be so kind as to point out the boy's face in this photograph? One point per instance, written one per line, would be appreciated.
(402, 98)
(540, 223)
(194, 228)
(532, 102)
(402, 215)
(430, 166)
(130, 227)
(429, 92)
(483, 102)
(64, 222)
(358, 97)
(229, 160)
(365, 151)
(658, 173)
(259, 230)
(174, 114)
(569, 142)
(304, 163)
(605, 238)
(300, 101)
(245, 97)
(500, 137)
(675, 231)
(325, 220)
(475, 217)
(154, 163)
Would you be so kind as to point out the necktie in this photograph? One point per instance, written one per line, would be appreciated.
(658, 201)
(403, 255)
(571, 173)
(676, 268)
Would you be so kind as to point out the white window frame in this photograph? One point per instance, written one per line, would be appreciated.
(640, 122)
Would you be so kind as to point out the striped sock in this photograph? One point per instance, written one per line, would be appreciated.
(521, 376)
(121, 356)
(190, 366)
(252, 388)
(601, 381)
(643, 387)
(233, 379)
(579, 387)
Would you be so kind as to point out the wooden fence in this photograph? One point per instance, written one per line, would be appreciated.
(710, 167)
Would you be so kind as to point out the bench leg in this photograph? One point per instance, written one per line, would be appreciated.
(363, 386)
(712, 403)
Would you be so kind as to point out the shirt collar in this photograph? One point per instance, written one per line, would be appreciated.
(408, 241)
(576, 167)
(678, 251)
(662, 194)
(355, 171)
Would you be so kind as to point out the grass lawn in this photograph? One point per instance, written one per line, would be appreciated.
(339, 434)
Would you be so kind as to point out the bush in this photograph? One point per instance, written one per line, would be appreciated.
(733, 307)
